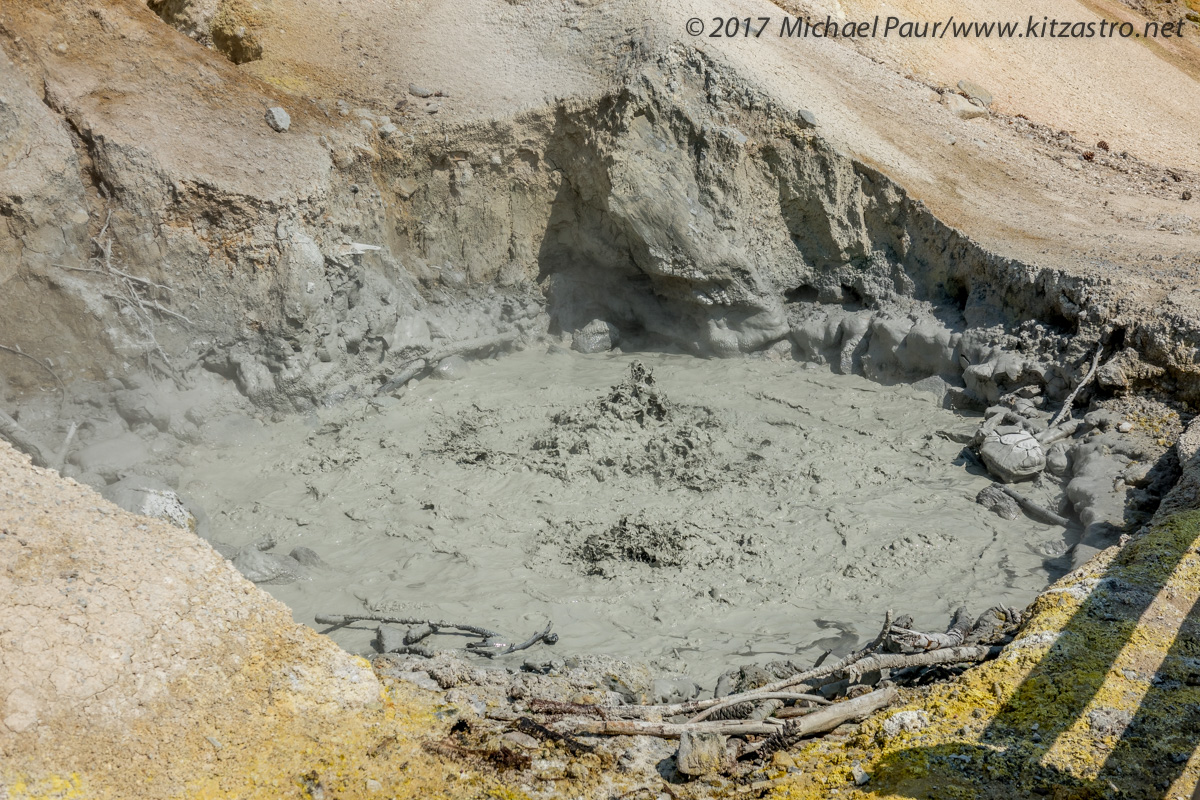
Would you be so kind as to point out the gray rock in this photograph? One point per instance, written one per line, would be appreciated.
(419, 91)
(141, 407)
(597, 336)
(390, 638)
(150, 498)
(417, 633)
(701, 754)
(453, 368)
(268, 568)
(278, 119)
(306, 557)
(1058, 461)
(1012, 455)
(672, 690)
(994, 499)
(806, 118)
(975, 92)
(961, 107)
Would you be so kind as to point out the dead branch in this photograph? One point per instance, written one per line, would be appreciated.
(1058, 433)
(824, 720)
(561, 709)
(482, 344)
(340, 620)
(493, 649)
(420, 365)
(946, 655)
(960, 626)
(807, 677)
(726, 703)
(410, 371)
(671, 730)
(530, 728)
(1035, 512)
(61, 459)
(1070, 401)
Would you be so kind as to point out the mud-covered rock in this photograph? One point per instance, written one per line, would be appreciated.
(267, 568)
(701, 754)
(150, 497)
(994, 499)
(1012, 454)
(597, 336)
(453, 368)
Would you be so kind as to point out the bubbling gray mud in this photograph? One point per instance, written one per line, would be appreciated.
(696, 515)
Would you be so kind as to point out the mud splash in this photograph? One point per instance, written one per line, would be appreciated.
(696, 514)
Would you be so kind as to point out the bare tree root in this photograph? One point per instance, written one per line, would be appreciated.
(1065, 411)
(62, 387)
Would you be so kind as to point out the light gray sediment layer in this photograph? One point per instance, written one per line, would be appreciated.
(719, 513)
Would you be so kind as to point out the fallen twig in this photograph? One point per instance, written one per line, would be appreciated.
(529, 727)
(420, 365)
(1070, 401)
(807, 677)
(339, 620)
(824, 720)
(1035, 512)
(61, 459)
(672, 730)
(558, 708)
(960, 626)
(492, 649)
(946, 655)
(726, 703)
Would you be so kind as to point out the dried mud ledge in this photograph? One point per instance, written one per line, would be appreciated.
(682, 208)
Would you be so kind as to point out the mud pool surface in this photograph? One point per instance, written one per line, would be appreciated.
(717, 513)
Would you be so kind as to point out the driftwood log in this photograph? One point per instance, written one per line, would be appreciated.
(419, 366)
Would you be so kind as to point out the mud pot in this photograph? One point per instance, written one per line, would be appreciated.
(698, 514)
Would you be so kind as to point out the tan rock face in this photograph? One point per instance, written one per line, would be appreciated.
(133, 641)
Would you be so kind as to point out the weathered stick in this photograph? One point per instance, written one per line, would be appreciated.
(824, 720)
(473, 346)
(946, 655)
(708, 712)
(61, 459)
(420, 365)
(1059, 432)
(21, 439)
(669, 730)
(1070, 401)
(347, 619)
(806, 677)
(410, 371)
(492, 650)
(1036, 512)
(960, 626)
